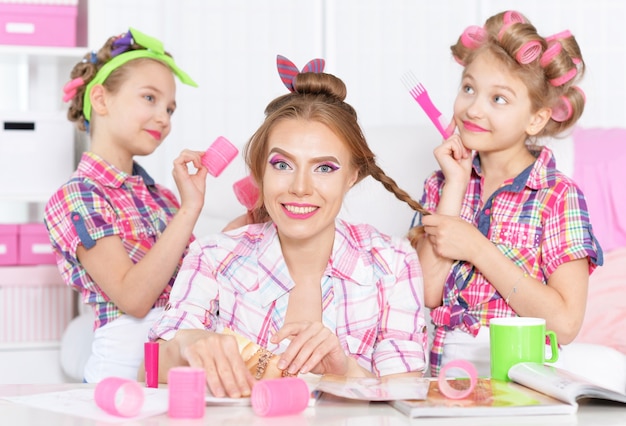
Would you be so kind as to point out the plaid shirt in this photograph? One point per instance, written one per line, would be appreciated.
(372, 292)
(98, 201)
(539, 220)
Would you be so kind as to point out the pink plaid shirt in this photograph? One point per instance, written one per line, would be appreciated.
(539, 220)
(98, 201)
(372, 293)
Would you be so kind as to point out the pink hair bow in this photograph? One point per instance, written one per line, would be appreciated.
(288, 71)
(69, 90)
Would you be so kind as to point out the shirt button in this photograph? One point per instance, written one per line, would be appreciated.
(487, 212)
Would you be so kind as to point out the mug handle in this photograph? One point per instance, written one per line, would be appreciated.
(554, 347)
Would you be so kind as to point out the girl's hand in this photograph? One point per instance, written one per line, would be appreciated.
(452, 237)
(191, 187)
(313, 348)
(218, 354)
(454, 159)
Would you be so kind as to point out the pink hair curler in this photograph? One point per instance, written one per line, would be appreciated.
(528, 52)
(469, 371)
(473, 36)
(563, 110)
(559, 81)
(247, 192)
(219, 155)
(187, 389)
(151, 361)
(280, 397)
(119, 397)
(510, 17)
(551, 52)
(559, 36)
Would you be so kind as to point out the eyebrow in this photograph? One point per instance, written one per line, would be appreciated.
(499, 87)
(328, 158)
(160, 92)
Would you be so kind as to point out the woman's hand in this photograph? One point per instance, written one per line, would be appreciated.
(313, 348)
(218, 355)
(191, 187)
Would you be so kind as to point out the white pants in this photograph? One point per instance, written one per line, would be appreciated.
(117, 348)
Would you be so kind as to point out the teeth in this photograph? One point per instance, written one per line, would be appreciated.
(299, 210)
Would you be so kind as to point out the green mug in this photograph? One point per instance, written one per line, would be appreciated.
(518, 339)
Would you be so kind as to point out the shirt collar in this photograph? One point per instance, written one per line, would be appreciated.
(347, 262)
(107, 174)
(538, 175)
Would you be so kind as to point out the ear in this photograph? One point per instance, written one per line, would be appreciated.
(98, 98)
(538, 121)
(354, 178)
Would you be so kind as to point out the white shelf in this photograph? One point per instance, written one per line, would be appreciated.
(44, 51)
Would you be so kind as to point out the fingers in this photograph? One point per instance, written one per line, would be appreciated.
(218, 355)
(311, 345)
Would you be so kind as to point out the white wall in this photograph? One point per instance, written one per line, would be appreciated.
(229, 48)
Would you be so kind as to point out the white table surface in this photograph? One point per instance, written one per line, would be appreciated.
(329, 411)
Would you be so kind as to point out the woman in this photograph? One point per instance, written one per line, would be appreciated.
(328, 296)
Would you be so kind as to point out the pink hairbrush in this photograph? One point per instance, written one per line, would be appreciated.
(219, 155)
(419, 93)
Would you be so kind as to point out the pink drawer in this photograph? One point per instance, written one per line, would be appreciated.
(8, 244)
(34, 245)
(35, 304)
(38, 24)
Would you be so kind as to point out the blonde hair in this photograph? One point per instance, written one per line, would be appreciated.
(550, 66)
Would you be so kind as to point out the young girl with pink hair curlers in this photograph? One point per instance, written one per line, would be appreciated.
(510, 235)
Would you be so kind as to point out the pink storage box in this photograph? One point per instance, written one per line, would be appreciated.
(35, 246)
(8, 244)
(38, 24)
(35, 304)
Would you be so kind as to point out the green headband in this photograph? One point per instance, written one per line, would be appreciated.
(153, 50)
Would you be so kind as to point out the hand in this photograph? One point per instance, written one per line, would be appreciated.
(454, 159)
(313, 348)
(452, 237)
(191, 187)
(218, 354)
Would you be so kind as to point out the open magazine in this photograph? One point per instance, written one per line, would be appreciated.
(364, 389)
(536, 389)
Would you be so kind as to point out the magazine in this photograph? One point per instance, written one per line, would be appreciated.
(364, 389)
(536, 389)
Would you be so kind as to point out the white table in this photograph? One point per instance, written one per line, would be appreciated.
(329, 411)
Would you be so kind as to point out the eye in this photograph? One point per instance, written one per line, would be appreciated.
(170, 111)
(500, 100)
(467, 89)
(280, 165)
(149, 98)
(327, 168)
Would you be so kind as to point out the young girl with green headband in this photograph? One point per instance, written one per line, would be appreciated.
(119, 237)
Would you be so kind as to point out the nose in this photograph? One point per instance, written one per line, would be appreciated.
(163, 117)
(474, 108)
(301, 184)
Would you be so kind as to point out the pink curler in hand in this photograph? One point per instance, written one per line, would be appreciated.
(119, 397)
(219, 155)
(280, 397)
(247, 192)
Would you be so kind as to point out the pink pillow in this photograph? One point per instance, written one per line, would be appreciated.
(605, 318)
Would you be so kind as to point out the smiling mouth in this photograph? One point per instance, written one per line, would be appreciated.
(156, 135)
(299, 210)
(473, 127)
